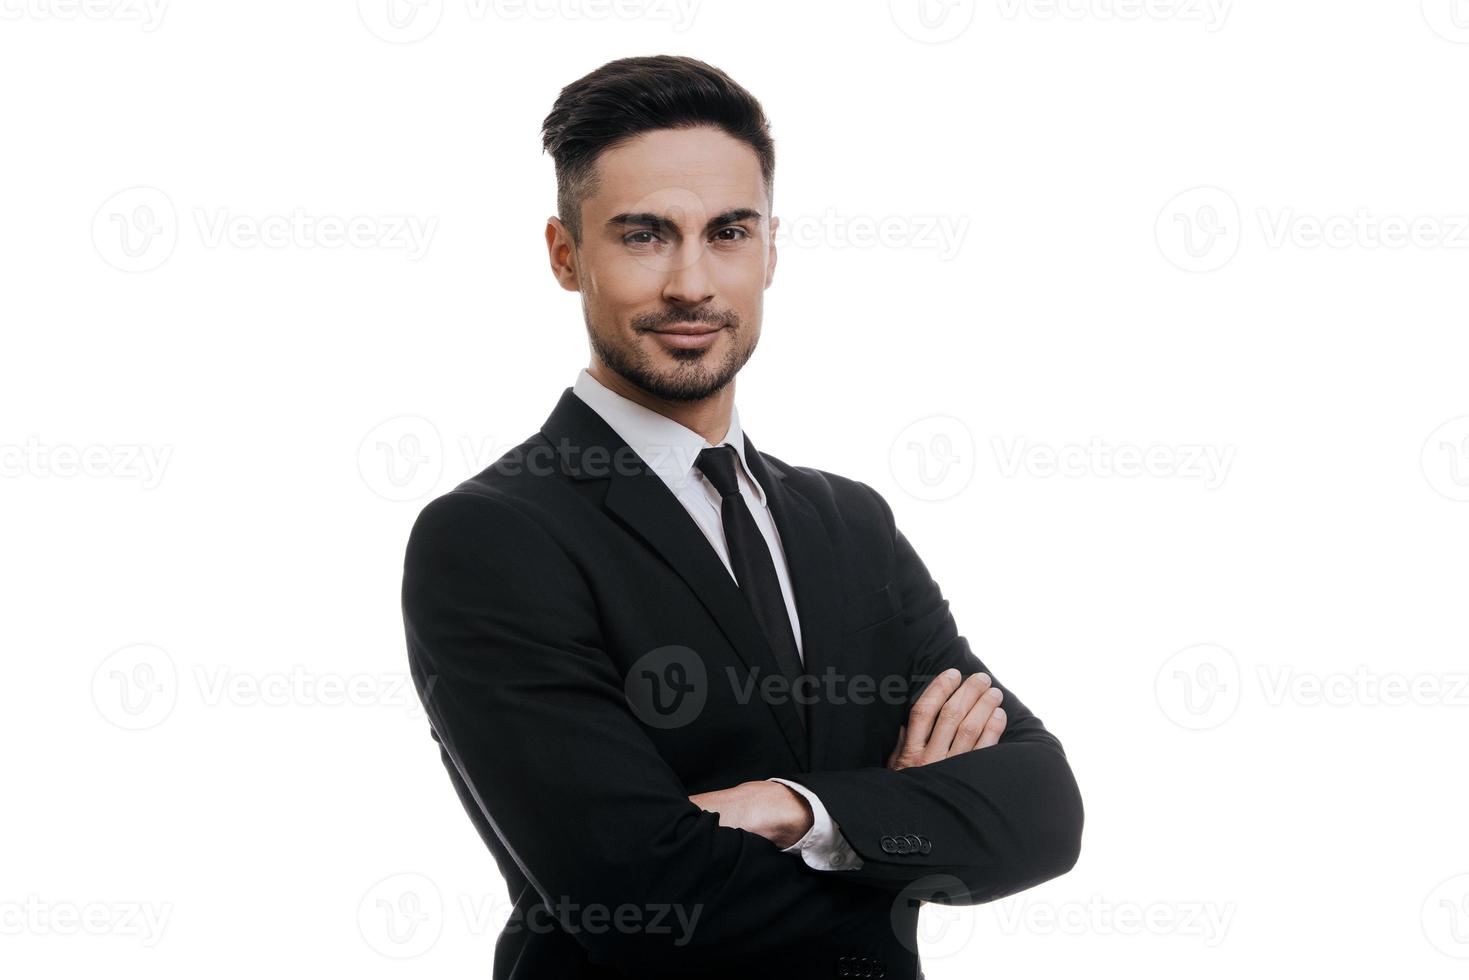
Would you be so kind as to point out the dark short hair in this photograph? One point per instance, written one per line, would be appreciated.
(629, 96)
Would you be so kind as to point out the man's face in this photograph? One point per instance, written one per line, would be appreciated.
(676, 236)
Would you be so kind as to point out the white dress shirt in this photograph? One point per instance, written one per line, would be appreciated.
(671, 450)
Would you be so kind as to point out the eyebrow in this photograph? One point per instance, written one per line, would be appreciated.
(657, 222)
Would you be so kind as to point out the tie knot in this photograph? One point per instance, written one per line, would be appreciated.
(718, 464)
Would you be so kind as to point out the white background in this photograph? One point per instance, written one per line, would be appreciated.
(1007, 290)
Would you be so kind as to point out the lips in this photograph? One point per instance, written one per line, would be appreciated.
(688, 336)
(690, 329)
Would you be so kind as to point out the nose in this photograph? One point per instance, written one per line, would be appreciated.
(689, 282)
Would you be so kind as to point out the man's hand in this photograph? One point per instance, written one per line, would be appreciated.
(949, 718)
(770, 809)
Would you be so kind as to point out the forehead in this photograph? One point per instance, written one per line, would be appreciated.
(677, 168)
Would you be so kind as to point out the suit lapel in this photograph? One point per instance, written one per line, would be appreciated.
(812, 564)
(637, 497)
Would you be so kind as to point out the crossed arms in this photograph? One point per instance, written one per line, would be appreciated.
(505, 652)
(953, 715)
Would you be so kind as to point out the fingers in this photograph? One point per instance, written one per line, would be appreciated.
(925, 712)
(956, 713)
(993, 729)
(986, 720)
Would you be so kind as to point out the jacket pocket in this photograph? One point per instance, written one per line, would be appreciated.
(870, 608)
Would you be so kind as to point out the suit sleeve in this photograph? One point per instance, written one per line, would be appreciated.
(505, 649)
(992, 821)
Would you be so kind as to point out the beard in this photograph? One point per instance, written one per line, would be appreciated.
(695, 376)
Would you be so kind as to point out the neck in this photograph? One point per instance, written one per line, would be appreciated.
(709, 416)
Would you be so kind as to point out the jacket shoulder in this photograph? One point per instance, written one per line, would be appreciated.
(847, 497)
(515, 490)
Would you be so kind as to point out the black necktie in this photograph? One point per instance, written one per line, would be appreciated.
(753, 566)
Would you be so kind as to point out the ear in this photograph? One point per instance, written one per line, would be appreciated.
(770, 263)
(562, 253)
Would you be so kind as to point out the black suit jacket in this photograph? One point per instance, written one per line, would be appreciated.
(584, 659)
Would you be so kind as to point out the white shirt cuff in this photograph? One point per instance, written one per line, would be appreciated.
(823, 848)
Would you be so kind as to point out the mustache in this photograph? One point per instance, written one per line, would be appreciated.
(655, 321)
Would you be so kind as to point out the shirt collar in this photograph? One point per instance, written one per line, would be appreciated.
(668, 447)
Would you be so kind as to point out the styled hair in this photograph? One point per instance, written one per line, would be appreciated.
(624, 98)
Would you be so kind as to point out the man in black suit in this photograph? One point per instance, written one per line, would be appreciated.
(707, 709)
